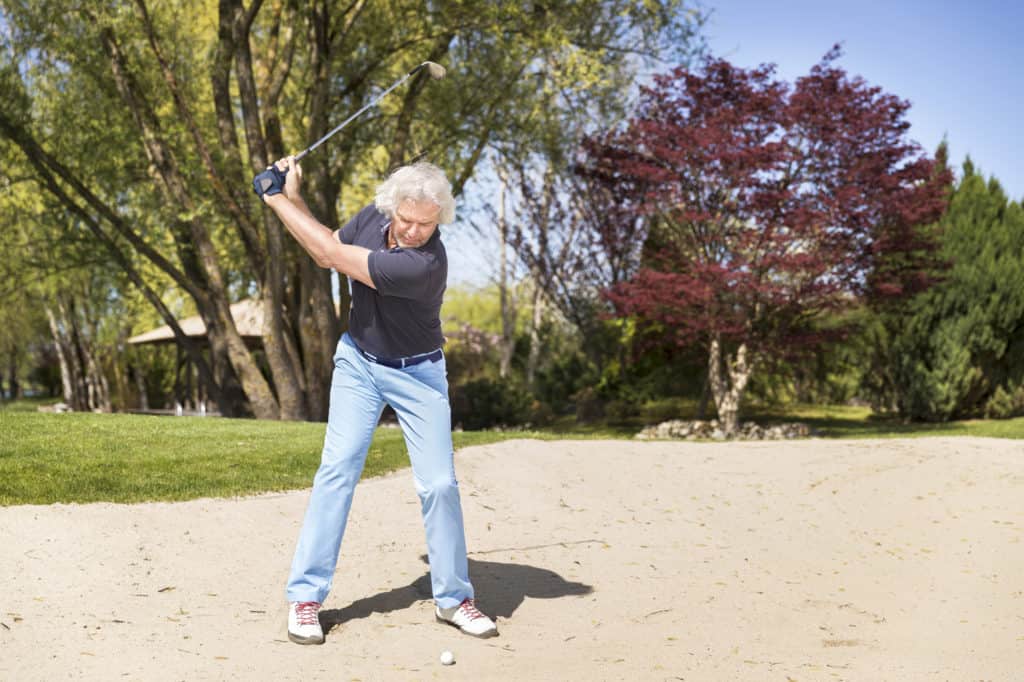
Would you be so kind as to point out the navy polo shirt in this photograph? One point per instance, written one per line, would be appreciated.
(402, 316)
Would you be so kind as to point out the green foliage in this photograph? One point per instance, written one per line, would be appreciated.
(621, 411)
(485, 404)
(522, 77)
(945, 353)
(664, 409)
(470, 354)
(566, 373)
(589, 405)
(478, 308)
(1005, 403)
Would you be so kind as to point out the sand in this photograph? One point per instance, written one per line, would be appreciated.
(802, 560)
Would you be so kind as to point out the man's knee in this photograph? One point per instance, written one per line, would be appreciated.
(339, 468)
(438, 488)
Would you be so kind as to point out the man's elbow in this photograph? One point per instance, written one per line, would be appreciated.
(320, 258)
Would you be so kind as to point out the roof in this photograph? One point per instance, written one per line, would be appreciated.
(248, 316)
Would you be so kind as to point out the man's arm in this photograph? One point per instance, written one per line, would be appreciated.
(300, 204)
(319, 242)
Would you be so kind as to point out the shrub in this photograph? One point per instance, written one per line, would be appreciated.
(1005, 404)
(484, 404)
(620, 411)
(589, 406)
(663, 409)
(558, 382)
(541, 413)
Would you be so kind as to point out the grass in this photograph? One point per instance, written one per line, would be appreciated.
(48, 458)
(841, 421)
(827, 421)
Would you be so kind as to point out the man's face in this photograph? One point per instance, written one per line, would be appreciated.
(414, 222)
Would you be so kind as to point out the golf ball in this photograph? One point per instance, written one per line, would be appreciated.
(447, 658)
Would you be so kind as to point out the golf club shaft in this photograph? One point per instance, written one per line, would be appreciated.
(298, 157)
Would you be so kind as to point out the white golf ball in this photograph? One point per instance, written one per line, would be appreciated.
(447, 658)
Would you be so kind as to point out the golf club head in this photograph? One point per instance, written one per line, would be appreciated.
(435, 70)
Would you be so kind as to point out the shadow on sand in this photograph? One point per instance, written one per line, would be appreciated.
(501, 588)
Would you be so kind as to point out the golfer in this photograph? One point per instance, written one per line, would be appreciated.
(391, 354)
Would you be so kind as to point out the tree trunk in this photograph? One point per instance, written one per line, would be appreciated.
(728, 377)
(705, 395)
(79, 390)
(140, 385)
(67, 381)
(98, 384)
(14, 390)
(533, 360)
(233, 42)
(282, 358)
(93, 367)
(319, 333)
(192, 237)
(508, 311)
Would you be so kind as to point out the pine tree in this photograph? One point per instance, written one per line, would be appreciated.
(954, 347)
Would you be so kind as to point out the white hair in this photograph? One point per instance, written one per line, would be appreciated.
(421, 181)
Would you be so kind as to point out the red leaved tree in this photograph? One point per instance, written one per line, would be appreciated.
(770, 206)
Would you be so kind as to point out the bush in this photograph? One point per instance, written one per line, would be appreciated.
(470, 354)
(558, 382)
(484, 404)
(541, 414)
(663, 409)
(1005, 404)
(589, 406)
(621, 411)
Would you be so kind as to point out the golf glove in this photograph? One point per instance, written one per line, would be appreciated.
(269, 182)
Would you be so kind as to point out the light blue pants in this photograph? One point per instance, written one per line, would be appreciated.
(419, 396)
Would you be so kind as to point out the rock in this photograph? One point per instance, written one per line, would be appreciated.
(679, 429)
(56, 408)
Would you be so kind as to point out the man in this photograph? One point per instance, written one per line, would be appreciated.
(391, 354)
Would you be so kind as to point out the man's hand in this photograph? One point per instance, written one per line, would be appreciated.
(293, 181)
(277, 180)
(269, 182)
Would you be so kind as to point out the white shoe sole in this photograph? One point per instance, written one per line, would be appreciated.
(299, 639)
(487, 634)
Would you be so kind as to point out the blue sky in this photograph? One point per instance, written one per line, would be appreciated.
(960, 64)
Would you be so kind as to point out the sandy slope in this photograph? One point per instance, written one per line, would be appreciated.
(809, 560)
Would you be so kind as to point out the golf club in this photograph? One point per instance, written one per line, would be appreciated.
(436, 72)
(265, 180)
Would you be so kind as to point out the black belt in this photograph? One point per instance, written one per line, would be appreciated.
(399, 363)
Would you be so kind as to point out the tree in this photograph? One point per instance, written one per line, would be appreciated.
(948, 351)
(151, 139)
(770, 206)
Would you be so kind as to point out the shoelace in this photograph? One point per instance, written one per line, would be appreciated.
(305, 612)
(468, 608)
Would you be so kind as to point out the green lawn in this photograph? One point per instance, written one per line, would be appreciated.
(840, 421)
(47, 458)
